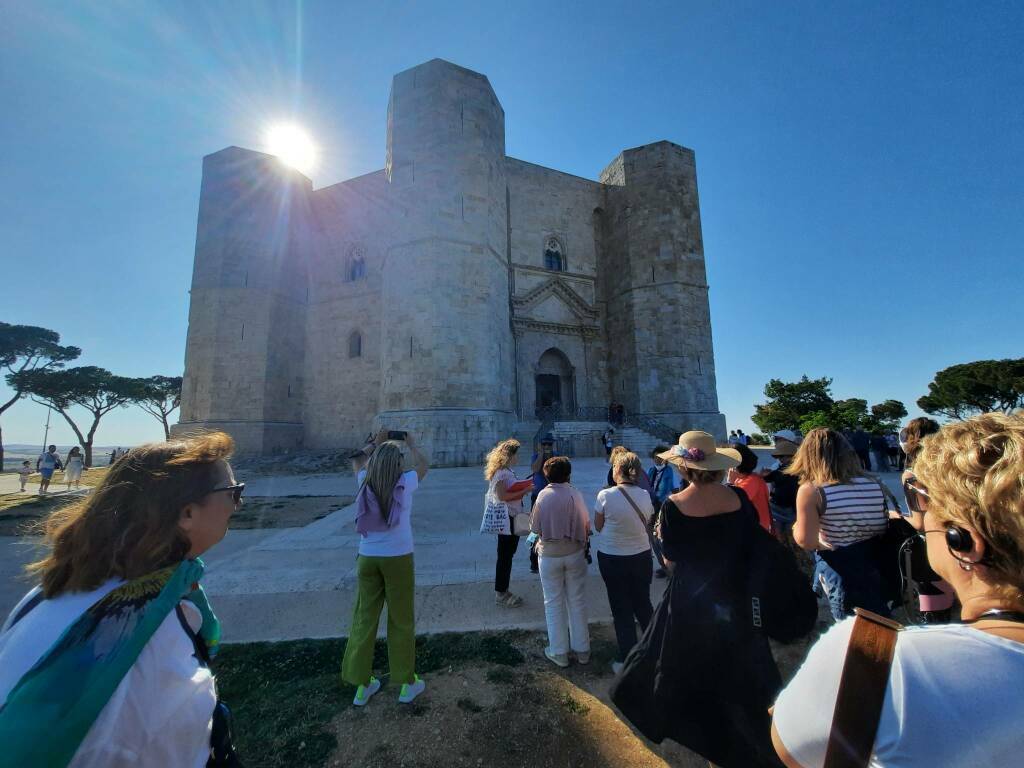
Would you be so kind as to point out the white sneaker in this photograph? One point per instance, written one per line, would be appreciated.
(558, 659)
(364, 692)
(411, 690)
(617, 667)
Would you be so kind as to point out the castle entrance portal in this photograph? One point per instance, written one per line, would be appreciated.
(555, 384)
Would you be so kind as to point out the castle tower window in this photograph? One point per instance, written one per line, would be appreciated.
(554, 255)
(355, 264)
(355, 344)
(356, 270)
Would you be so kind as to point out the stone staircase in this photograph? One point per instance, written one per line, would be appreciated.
(583, 438)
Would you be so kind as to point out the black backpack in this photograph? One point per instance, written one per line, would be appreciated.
(782, 602)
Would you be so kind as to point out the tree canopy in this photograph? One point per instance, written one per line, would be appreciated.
(789, 402)
(966, 389)
(97, 390)
(806, 404)
(25, 348)
(160, 396)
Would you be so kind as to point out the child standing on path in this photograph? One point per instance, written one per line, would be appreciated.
(384, 572)
(24, 472)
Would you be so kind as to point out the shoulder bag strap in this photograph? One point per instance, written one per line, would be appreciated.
(861, 691)
(632, 503)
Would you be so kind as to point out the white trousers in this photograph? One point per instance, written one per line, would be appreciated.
(565, 609)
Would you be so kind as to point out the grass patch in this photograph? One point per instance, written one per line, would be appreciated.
(574, 706)
(284, 695)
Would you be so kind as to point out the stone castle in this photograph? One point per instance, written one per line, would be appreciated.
(459, 293)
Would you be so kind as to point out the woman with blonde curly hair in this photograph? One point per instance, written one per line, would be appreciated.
(501, 503)
(106, 661)
(953, 691)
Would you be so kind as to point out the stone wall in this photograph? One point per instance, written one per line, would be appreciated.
(436, 263)
(246, 342)
(659, 324)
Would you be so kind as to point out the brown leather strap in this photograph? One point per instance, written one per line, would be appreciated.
(632, 503)
(861, 691)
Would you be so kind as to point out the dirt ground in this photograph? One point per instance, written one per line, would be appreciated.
(285, 511)
(533, 715)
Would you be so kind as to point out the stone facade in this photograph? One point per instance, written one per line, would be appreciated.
(451, 293)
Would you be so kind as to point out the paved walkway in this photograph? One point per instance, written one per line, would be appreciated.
(299, 582)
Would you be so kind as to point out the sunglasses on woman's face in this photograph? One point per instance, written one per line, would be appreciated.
(917, 496)
(236, 491)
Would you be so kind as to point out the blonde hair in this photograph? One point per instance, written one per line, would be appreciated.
(917, 430)
(627, 465)
(500, 457)
(128, 526)
(974, 473)
(702, 476)
(382, 473)
(615, 452)
(825, 457)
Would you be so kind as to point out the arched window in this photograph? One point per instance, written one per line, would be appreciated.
(554, 255)
(355, 344)
(355, 264)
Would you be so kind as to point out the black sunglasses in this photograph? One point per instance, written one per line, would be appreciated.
(236, 491)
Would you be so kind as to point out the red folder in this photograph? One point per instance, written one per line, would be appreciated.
(522, 485)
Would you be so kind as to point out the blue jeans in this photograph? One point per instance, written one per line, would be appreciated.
(849, 578)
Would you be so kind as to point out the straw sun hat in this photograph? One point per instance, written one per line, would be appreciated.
(697, 450)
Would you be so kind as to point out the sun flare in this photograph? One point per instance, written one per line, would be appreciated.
(292, 145)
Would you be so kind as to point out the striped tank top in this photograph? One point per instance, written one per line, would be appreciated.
(853, 512)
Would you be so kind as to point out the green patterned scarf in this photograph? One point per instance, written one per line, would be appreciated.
(51, 709)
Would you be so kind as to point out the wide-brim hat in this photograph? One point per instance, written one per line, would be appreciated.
(697, 450)
(784, 448)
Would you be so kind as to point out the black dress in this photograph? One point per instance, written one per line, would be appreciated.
(703, 674)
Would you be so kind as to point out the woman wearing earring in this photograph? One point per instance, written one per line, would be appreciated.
(953, 691)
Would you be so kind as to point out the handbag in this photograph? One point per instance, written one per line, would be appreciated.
(521, 524)
(861, 693)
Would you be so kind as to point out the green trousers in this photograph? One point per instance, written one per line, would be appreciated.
(382, 580)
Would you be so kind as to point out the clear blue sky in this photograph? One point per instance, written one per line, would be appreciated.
(861, 165)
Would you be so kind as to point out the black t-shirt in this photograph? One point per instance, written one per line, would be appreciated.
(784, 488)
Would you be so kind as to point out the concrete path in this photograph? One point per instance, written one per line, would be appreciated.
(299, 582)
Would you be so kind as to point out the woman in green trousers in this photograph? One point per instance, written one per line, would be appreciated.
(384, 571)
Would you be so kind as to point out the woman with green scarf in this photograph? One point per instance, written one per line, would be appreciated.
(105, 663)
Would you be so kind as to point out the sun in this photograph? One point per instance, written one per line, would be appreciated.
(292, 145)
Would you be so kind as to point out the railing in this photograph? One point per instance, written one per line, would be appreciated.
(561, 412)
(549, 414)
(654, 427)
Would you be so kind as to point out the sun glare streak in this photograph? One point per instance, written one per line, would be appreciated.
(292, 145)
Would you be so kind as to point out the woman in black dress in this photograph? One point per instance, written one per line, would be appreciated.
(703, 674)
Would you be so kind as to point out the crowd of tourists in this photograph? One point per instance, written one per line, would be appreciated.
(107, 661)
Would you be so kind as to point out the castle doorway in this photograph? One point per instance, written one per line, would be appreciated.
(555, 384)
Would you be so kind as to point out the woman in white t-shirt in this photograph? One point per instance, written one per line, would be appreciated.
(953, 693)
(384, 572)
(621, 516)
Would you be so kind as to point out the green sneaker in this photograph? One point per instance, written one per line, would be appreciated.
(364, 692)
(411, 690)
